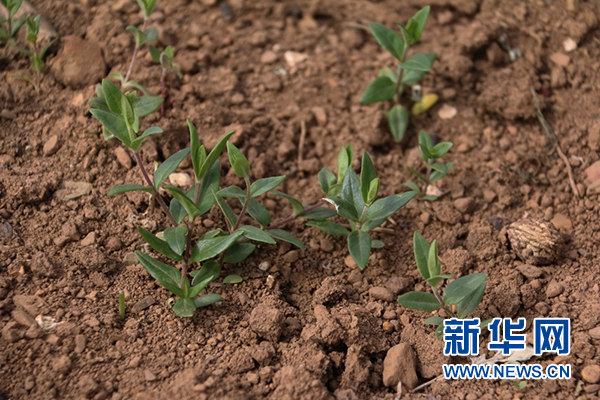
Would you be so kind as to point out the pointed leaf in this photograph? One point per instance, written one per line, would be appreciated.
(184, 307)
(434, 321)
(420, 301)
(433, 264)
(264, 185)
(232, 279)
(169, 166)
(398, 120)
(416, 24)
(351, 191)
(319, 213)
(207, 300)
(440, 149)
(417, 62)
(459, 289)
(326, 179)
(226, 210)
(296, 205)
(235, 192)
(208, 273)
(175, 208)
(388, 39)
(165, 274)
(387, 206)
(198, 152)
(209, 248)
(416, 174)
(253, 233)
(359, 245)
(130, 187)
(280, 234)
(238, 161)
(210, 184)
(176, 238)
(410, 77)
(214, 154)
(412, 186)
(115, 124)
(367, 175)
(146, 105)
(153, 130)
(470, 303)
(434, 281)
(112, 95)
(381, 89)
(437, 175)
(188, 204)
(343, 208)
(159, 245)
(388, 73)
(421, 249)
(238, 252)
(259, 212)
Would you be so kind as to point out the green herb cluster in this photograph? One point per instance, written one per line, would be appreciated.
(430, 153)
(12, 24)
(165, 59)
(465, 292)
(389, 85)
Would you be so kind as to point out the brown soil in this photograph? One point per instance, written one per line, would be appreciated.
(308, 329)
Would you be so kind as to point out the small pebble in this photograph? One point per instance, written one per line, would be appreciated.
(143, 304)
(51, 146)
(89, 239)
(264, 266)
(268, 57)
(591, 374)
(80, 342)
(554, 289)
(381, 293)
(291, 256)
(123, 158)
(326, 245)
(149, 376)
(349, 261)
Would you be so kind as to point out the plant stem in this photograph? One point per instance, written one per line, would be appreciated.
(244, 207)
(292, 217)
(135, 53)
(441, 301)
(163, 92)
(188, 244)
(157, 196)
(399, 84)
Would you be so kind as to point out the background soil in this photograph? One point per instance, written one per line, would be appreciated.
(311, 327)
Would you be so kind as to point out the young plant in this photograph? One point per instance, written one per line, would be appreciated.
(36, 55)
(465, 292)
(355, 200)
(430, 152)
(165, 59)
(389, 85)
(12, 24)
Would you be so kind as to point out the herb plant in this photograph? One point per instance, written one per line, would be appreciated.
(355, 200)
(165, 59)
(430, 153)
(36, 55)
(465, 292)
(12, 24)
(389, 85)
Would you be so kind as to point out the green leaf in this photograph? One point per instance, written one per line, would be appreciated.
(351, 191)
(344, 161)
(128, 115)
(520, 384)
(198, 152)
(238, 161)
(412, 186)
(155, 54)
(377, 244)
(319, 213)
(388, 73)
(214, 154)
(264, 185)
(326, 179)
(435, 320)
(425, 146)
(359, 245)
(433, 263)
(343, 208)
(169, 166)
(159, 245)
(130, 187)
(280, 234)
(184, 307)
(421, 249)
(213, 233)
(387, 206)
(233, 279)
(115, 124)
(226, 210)
(420, 301)
(259, 212)
(175, 208)
(253, 233)
(373, 190)
(207, 300)
(398, 120)
(112, 95)
(151, 35)
(410, 77)
(46, 47)
(485, 323)
(437, 175)
(331, 228)
(209, 248)
(434, 281)
(367, 175)
(416, 24)
(146, 105)
(430, 197)
(440, 149)
(417, 62)
(238, 252)
(176, 238)
(470, 303)
(153, 130)
(439, 331)
(208, 273)
(166, 275)
(381, 89)
(296, 205)
(210, 184)
(416, 174)
(192, 209)
(388, 39)
(459, 289)
(233, 191)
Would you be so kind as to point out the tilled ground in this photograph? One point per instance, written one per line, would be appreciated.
(312, 326)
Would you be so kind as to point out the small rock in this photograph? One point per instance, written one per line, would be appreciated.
(31, 304)
(123, 158)
(34, 332)
(425, 217)
(51, 146)
(465, 205)
(62, 364)
(23, 318)
(381, 293)
(135, 362)
(554, 289)
(70, 190)
(291, 256)
(560, 59)
(53, 340)
(87, 386)
(149, 376)
(143, 304)
(181, 179)
(264, 266)
(29, 383)
(595, 333)
(10, 333)
(114, 244)
(349, 261)
(562, 221)
(268, 57)
(237, 98)
(400, 366)
(591, 374)
(397, 285)
(447, 112)
(387, 327)
(6, 230)
(267, 321)
(130, 259)
(326, 245)
(7, 114)
(80, 342)
(294, 58)
(320, 115)
(489, 195)
(79, 63)
(69, 230)
(89, 240)
(530, 271)
(569, 45)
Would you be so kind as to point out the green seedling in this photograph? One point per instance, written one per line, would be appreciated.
(12, 24)
(122, 305)
(165, 59)
(389, 85)
(354, 199)
(430, 153)
(465, 292)
(36, 55)
(120, 114)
